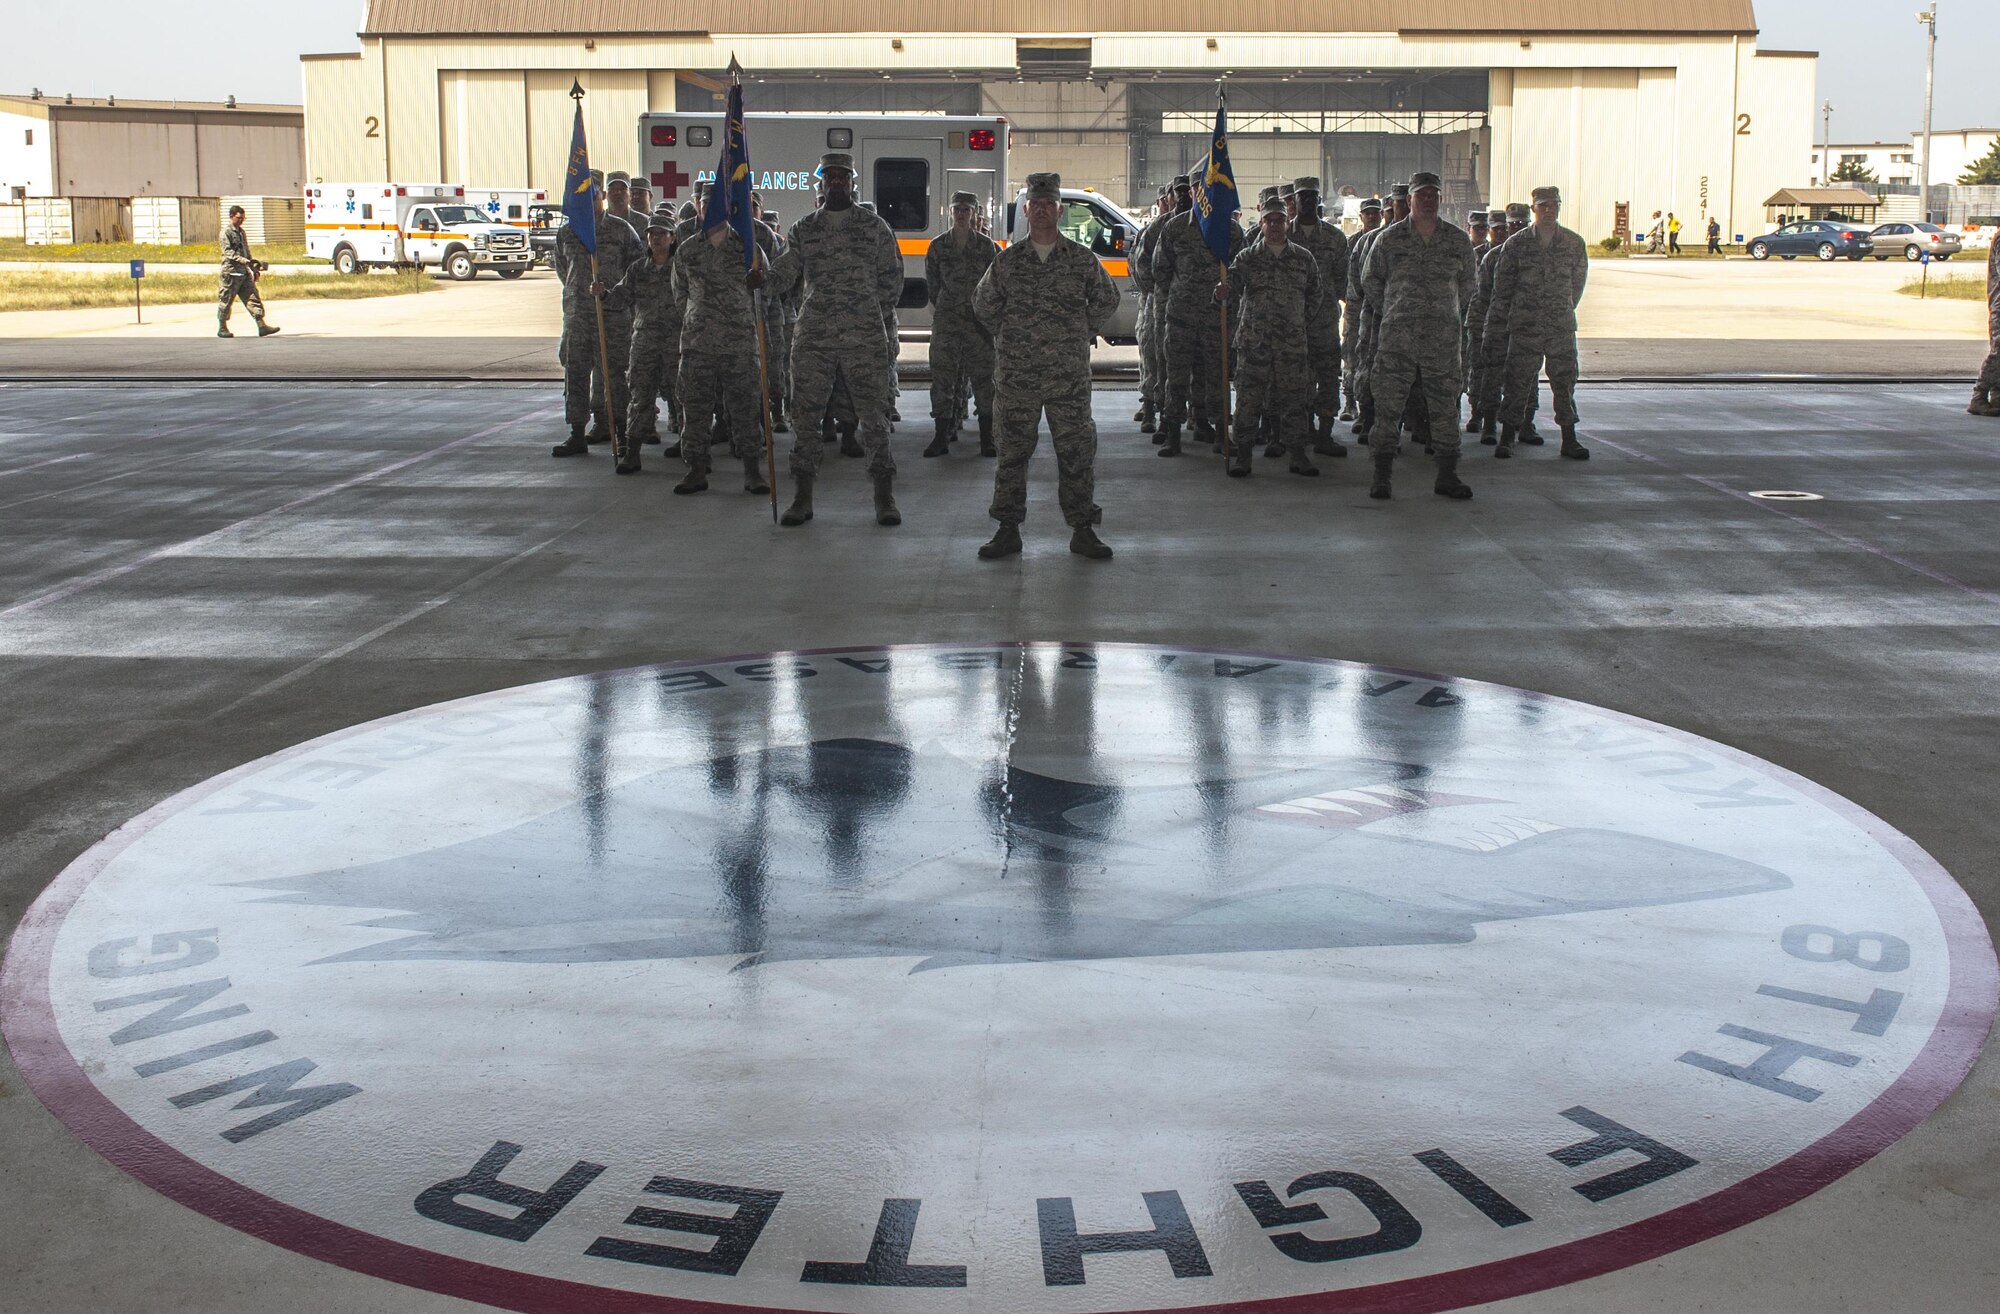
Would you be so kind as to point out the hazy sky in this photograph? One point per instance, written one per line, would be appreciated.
(1871, 54)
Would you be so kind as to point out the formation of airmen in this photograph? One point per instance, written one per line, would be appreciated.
(1385, 331)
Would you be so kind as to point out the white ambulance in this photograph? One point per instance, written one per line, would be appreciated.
(361, 226)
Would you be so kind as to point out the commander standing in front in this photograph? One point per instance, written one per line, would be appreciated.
(1044, 300)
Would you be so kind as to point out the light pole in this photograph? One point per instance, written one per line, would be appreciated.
(1826, 144)
(1929, 19)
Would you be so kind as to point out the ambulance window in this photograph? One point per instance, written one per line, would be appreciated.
(513, 212)
(367, 211)
(1082, 224)
(903, 194)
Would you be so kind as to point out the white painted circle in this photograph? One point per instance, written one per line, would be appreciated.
(1060, 941)
(1786, 495)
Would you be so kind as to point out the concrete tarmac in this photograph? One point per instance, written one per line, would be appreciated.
(194, 576)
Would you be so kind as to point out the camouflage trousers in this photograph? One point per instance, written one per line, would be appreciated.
(1277, 384)
(1151, 367)
(651, 371)
(816, 370)
(778, 352)
(1436, 381)
(1364, 370)
(724, 382)
(1072, 432)
(961, 360)
(238, 287)
(1350, 340)
(1194, 370)
(583, 378)
(1325, 366)
(1473, 354)
(1525, 356)
(1989, 369)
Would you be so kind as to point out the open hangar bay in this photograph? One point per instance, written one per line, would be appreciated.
(202, 575)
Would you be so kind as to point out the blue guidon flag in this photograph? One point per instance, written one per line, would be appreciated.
(580, 189)
(1215, 200)
(729, 199)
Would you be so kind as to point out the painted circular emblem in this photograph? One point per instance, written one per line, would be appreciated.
(1013, 978)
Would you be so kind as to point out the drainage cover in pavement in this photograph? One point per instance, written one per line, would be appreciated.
(1024, 979)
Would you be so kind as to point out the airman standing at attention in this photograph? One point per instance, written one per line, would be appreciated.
(1485, 413)
(1371, 312)
(581, 360)
(961, 346)
(1350, 314)
(1536, 288)
(1185, 269)
(618, 246)
(848, 262)
(718, 356)
(1328, 247)
(648, 294)
(1045, 299)
(1420, 274)
(1277, 290)
(1180, 199)
(1150, 366)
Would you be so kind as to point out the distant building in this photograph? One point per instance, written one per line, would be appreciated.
(1901, 163)
(110, 146)
(1630, 106)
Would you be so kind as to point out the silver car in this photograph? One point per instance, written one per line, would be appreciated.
(1911, 241)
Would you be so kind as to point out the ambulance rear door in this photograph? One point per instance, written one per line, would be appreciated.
(904, 177)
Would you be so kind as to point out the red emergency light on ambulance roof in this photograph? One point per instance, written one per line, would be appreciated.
(980, 139)
(664, 134)
(402, 191)
(459, 192)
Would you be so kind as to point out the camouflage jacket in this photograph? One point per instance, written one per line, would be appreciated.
(236, 257)
(617, 247)
(1185, 270)
(1277, 297)
(1482, 296)
(1357, 254)
(1421, 289)
(1044, 313)
(1142, 255)
(1328, 246)
(952, 273)
(648, 291)
(708, 277)
(1537, 284)
(851, 270)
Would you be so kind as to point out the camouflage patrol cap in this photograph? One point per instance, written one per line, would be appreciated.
(1399, 191)
(659, 224)
(1306, 184)
(1477, 218)
(1286, 189)
(1517, 212)
(966, 199)
(1272, 205)
(1265, 193)
(617, 178)
(1044, 187)
(1541, 194)
(1182, 183)
(597, 176)
(1423, 179)
(1371, 205)
(841, 160)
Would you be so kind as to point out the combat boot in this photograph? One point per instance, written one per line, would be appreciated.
(986, 447)
(1448, 483)
(801, 509)
(1472, 425)
(628, 463)
(1324, 443)
(1170, 441)
(1006, 541)
(1385, 461)
(600, 428)
(1571, 448)
(1148, 419)
(1206, 433)
(1085, 543)
(1347, 409)
(651, 438)
(1302, 465)
(694, 481)
(1274, 446)
(1530, 436)
(1505, 447)
(1983, 403)
(672, 451)
(753, 476)
(1487, 425)
(576, 446)
(1239, 460)
(885, 501)
(265, 330)
(940, 445)
(779, 424)
(848, 446)
(222, 328)
(1139, 415)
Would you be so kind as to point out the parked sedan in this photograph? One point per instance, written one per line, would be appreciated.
(1912, 240)
(1819, 237)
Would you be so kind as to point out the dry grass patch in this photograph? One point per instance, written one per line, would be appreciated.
(1949, 287)
(14, 250)
(39, 290)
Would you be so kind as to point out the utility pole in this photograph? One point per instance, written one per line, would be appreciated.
(1826, 144)
(1929, 19)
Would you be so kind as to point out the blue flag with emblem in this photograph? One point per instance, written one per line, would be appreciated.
(1215, 201)
(580, 189)
(729, 199)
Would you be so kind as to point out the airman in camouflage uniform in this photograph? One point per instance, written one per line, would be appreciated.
(1350, 315)
(1328, 247)
(1536, 288)
(1420, 274)
(1151, 368)
(1180, 199)
(852, 272)
(647, 293)
(1489, 376)
(1489, 230)
(1278, 300)
(1045, 298)
(1185, 269)
(617, 247)
(239, 278)
(619, 243)
(1986, 390)
(718, 356)
(1371, 312)
(777, 321)
(961, 346)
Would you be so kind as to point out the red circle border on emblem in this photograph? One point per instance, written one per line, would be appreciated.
(27, 1020)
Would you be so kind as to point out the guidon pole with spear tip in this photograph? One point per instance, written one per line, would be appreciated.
(576, 94)
(732, 197)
